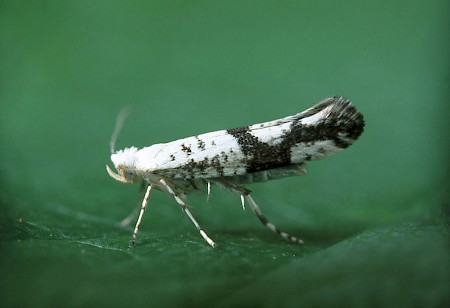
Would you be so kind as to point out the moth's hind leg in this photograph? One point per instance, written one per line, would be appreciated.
(268, 224)
(188, 213)
(245, 193)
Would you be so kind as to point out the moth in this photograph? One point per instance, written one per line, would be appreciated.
(236, 157)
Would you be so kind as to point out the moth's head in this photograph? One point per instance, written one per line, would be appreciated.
(124, 161)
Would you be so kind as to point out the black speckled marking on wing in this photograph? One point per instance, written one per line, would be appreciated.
(261, 156)
(186, 149)
(193, 168)
(343, 125)
(200, 144)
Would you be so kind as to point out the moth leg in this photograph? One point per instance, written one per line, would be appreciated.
(242, 191)
(143, 207)
(243, 202)
(208, 185)
(188, 213)
(245, 193)
(127, 220)
(268, 224)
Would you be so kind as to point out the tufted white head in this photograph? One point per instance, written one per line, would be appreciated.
(124, 160)
(125, 163)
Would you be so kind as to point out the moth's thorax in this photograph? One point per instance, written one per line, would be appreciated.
(146, 159)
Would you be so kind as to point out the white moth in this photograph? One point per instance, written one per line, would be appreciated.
(235, 157)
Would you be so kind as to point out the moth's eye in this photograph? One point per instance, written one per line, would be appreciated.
(130, 174)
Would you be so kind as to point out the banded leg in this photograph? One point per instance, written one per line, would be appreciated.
(143, 207)
(268, 224)
(245, 193)
(188, 213)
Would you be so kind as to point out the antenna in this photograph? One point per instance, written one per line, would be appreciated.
(123, 114)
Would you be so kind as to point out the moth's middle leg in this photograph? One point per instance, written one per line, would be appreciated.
(188, 213)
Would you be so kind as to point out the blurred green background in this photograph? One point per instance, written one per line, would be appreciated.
(374, 217)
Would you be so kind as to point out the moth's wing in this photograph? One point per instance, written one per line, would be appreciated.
(321, 130)
(204, 156)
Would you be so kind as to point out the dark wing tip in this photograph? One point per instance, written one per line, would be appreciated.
(348, 118)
